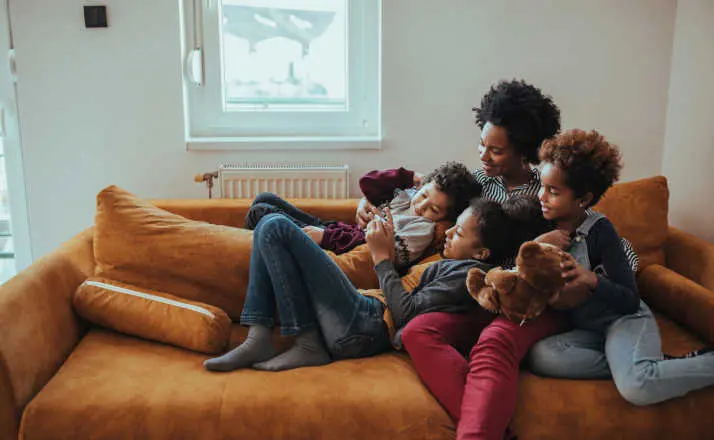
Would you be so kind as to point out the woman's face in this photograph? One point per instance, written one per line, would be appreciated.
(498, 157)
(557, 200)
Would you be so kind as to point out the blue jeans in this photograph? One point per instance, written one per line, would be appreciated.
(268, 203)
(288, 271)
(630, 352)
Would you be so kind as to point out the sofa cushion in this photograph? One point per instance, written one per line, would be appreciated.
(358, 266)
(571, 409)
(115, 386)
(153, 315)
(232, 212)
(638, 209)
(140, 244)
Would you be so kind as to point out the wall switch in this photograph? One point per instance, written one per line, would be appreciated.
(95, 16)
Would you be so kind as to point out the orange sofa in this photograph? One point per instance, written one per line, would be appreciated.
(63, 378)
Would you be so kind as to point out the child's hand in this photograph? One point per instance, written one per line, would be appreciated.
(557, 238)
(364, 213)
(380, 238)
(314, 233)
(580, 284)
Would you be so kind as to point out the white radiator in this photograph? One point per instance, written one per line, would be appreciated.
(288, 180)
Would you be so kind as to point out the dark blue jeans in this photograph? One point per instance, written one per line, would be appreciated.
(290, 273)
(269, 203)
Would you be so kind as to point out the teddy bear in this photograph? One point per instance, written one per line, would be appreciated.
(522, 293)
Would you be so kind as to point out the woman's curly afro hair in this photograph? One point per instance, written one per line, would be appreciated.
(589, 162)
(529, 116)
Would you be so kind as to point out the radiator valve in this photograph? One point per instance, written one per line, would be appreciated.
(208, 178)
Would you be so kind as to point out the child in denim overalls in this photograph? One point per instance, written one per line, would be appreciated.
(615, 333)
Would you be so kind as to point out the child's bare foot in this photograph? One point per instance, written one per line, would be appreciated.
(314, 233)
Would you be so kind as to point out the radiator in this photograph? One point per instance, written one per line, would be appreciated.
(288, 180)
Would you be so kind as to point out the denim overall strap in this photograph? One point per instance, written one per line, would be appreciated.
(579, 246)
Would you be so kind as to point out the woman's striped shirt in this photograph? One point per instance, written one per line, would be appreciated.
(494, 188)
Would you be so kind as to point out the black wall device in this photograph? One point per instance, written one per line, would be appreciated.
(95, 16)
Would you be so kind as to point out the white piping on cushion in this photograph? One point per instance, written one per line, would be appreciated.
(151, 297)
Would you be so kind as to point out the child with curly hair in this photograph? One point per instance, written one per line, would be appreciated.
(443, 195)
(293, 279)
(614, 331)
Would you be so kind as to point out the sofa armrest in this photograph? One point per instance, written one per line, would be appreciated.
(680, 298)
(38, 328)
(232, 212)
(690, 256)
(8, 413)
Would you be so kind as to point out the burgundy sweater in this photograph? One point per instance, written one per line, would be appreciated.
(378, 187)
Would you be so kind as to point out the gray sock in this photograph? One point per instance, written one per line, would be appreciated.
(308, 351)
(257, 347)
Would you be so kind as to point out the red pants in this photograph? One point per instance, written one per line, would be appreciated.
(479, 393)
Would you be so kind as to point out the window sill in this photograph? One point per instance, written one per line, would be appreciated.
(283, 143)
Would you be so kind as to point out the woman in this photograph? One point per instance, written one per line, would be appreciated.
(480, 393)
(514, 118)
(615, 332)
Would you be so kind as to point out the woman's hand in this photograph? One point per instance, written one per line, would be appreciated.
(364, 213)
(380, 238)
(579, 285)
(557, 238)
(314, 233)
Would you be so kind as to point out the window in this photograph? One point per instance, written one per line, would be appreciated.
(282, 72)
(7, 254)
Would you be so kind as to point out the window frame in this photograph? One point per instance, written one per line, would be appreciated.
(208, 127)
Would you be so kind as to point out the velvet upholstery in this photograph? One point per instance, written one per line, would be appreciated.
(156, 316)
(142, 245)
(638, 209)
(9, 416)
(684, 300)
(690, 257)
(232, 212)
(580, 409)
(38, 328)
(116, 386)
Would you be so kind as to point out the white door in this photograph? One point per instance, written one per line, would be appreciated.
(15, 252)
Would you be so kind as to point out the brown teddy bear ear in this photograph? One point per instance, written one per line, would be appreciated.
(502, 280)
(475, 280)
(529, 249)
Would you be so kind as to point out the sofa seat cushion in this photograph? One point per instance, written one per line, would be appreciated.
(115, 386)
(560, 409)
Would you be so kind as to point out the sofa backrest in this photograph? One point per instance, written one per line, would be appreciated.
(639, 210)
(232, 212)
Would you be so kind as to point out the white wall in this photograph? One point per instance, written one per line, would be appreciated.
(104, 106)
(689, 141)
